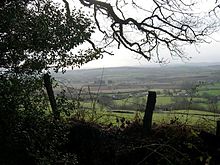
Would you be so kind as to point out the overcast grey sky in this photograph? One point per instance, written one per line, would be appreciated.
(122, 57)
(206, 52)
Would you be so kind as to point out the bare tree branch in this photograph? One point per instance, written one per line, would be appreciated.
(168, 24)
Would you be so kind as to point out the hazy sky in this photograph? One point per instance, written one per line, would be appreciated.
(202, 53)
(206, 52)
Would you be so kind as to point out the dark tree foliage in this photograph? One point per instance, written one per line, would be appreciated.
(34, 37)
(37, 35)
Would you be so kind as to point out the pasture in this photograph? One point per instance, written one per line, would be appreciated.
(188, 95)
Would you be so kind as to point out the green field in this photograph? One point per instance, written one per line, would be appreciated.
(116, 109)
(209, 92)
(189, 117)
(123, 94)
(164, 100)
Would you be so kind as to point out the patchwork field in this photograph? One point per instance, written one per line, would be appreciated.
(185, 94)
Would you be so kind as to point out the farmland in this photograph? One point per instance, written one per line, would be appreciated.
(189, 94)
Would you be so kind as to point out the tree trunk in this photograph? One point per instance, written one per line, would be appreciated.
(147, 121)
(50, 93)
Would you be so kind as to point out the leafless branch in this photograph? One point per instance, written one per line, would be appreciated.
(100, 50)
(167, 25)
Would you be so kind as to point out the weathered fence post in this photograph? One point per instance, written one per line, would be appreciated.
(147, 121)
(218, 128)
(50, 93)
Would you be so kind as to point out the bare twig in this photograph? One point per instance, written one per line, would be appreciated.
(167, 25)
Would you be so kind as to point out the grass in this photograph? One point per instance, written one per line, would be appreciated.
(164, 100)
(123, 101)
(209, 92)
(101, 114)
(199, 99)
(161, 100)
(190, 117)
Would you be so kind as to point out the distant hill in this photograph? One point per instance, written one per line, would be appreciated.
(171, 74)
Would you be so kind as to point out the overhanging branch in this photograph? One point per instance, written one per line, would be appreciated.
(160, 28)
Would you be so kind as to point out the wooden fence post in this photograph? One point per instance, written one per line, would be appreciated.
(147, 121)
(50, 93)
